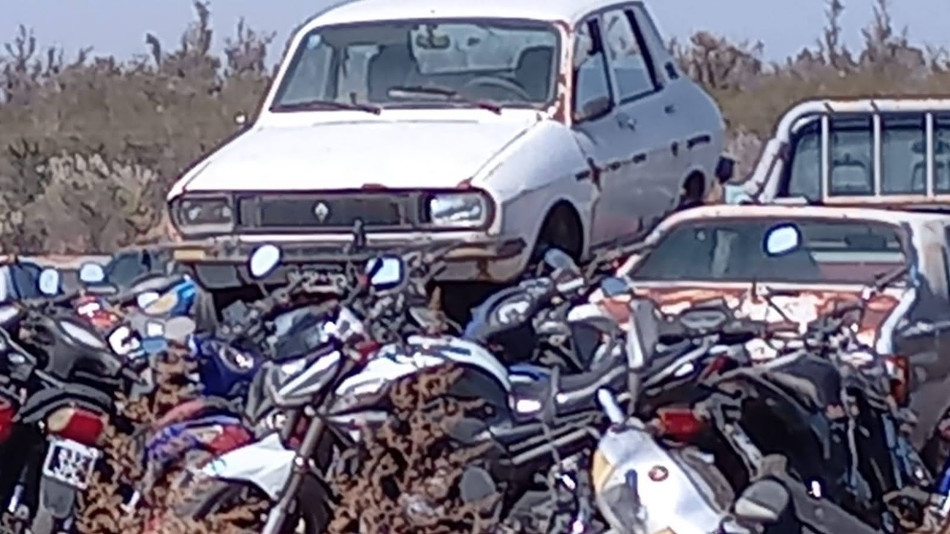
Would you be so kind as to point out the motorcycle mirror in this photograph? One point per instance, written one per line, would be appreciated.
(763, 502)
(614, 287)
(49, 281)
(782, 239)
(178, 329)
(91, 273)
(557, 259)
(143, 300)
(385, 272)
(264, 260)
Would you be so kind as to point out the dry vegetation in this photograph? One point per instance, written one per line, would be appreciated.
(90, 144)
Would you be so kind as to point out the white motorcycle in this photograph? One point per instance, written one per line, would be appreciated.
(645, 486)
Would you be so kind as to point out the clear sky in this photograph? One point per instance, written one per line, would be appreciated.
(118, 26)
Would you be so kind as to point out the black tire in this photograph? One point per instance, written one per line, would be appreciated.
(561, 230)
(312, 507)
(692, 193)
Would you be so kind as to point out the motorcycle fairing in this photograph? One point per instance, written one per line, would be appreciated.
(266, 464)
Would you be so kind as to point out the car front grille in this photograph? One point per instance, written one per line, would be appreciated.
(307, 212)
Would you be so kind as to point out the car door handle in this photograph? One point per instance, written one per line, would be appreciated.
(670, 109)
(639, 158)
(626, 121)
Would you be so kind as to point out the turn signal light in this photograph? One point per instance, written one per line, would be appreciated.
(679, 423)
(77, 424)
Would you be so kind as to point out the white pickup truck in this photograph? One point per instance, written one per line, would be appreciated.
(886, 152)
(506, 126)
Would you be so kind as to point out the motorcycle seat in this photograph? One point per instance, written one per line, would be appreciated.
(539, 391)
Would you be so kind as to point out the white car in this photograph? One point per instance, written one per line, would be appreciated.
(504, 125)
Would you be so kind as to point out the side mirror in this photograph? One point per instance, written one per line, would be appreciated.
(92, 273)
(725, 169)
(385, 272)
(763, 502)
(49, 282)
(264, 260)
(614, 287)
(782, 239)
(643, 333)
(593, 109)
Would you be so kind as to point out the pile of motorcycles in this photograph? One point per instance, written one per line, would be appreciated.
(637, 422)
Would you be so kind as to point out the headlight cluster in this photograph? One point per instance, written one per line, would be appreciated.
(203, 215)
(459, 210)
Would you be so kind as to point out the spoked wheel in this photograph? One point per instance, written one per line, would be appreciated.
(247, 507)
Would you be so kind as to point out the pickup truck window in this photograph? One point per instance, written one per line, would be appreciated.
(903, 156)
(832, 251)
(505, 61)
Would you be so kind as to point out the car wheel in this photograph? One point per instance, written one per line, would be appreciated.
(692, 193)
(562, 230)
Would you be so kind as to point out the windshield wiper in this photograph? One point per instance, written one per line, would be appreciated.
(327, 104)
(450, 94)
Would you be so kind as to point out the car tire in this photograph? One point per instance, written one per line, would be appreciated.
(692, 193)
(562, 230)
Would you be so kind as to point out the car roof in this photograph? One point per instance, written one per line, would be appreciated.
(372, 10)
(798, 212)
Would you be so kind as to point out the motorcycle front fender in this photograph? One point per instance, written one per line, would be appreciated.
(674, 495)
(57, 498)
(266, 464)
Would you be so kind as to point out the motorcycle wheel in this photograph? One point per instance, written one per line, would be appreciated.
(220, 496)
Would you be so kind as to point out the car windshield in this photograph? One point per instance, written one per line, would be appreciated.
(422, 63)
(724, 250)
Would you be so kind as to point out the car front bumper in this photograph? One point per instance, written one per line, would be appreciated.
(221, 262)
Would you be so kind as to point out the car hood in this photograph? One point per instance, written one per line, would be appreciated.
(347, 155)
(801, 304)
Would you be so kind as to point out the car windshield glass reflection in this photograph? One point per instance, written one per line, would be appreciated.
(831, 251)
(457, 62)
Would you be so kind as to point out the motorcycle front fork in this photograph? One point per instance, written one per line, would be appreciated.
(301, 468)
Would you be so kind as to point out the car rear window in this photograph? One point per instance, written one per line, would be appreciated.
(831, 251)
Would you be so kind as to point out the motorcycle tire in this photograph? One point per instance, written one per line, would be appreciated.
(311, 508)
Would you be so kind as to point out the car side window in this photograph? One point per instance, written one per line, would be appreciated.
(592, 92)
(655, 43)
(628, 57)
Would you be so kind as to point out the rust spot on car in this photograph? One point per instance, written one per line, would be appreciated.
(375, 187)
(464, 184)
(801, 304)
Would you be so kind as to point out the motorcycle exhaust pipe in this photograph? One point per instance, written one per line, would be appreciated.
(548, 448)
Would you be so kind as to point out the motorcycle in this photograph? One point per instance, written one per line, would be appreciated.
(63, 374)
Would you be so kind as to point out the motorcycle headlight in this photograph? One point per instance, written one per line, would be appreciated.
(203, 215)
(459, 210)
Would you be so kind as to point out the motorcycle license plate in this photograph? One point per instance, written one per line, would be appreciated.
(70, 462)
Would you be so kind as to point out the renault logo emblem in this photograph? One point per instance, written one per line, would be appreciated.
(321, 211)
